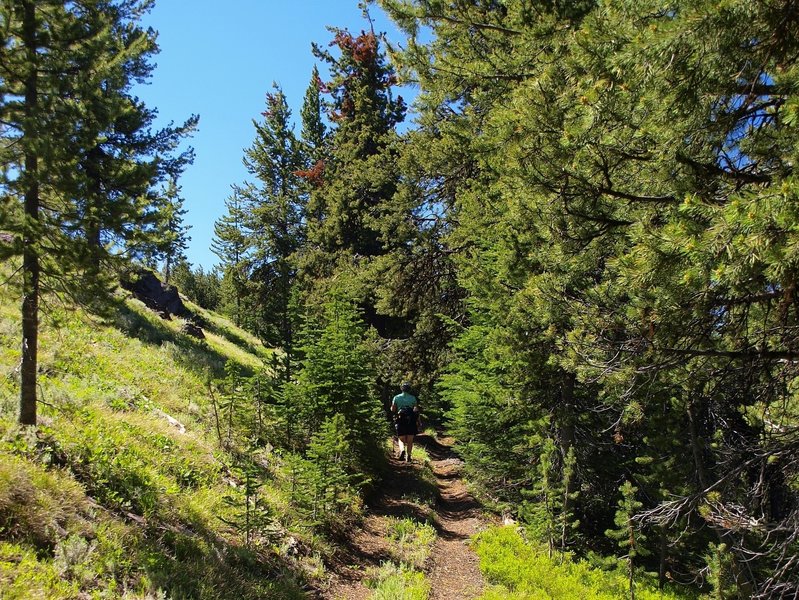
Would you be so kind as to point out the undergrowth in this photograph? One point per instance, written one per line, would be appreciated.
(397, 582)
(403, 578)
(125, 490)
(411, 542)
(518, 570)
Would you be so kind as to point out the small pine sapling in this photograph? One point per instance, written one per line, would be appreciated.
(626, 534)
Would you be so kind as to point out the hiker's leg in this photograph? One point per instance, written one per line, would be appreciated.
(406, 442)
(401, 444)
(409, 445)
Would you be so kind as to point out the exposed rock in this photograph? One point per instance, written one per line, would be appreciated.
(192, 329)
(161, 297)
(171, 420)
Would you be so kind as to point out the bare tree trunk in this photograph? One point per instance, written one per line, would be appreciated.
(30, 257)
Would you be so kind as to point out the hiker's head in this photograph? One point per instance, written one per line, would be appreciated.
(405, 386)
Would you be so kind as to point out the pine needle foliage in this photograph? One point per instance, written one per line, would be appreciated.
(623, 201)
(337, 377)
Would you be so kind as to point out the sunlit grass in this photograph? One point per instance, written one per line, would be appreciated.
(122, 490)
(394, 582)
(412, 541)
(516, 569)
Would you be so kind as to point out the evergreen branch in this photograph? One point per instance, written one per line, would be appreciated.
(471, 24)
(736, 354)
(749, 299)
(634, 197)
(601, 219)
(711, 169)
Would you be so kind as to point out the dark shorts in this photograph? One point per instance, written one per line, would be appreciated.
(405, 428)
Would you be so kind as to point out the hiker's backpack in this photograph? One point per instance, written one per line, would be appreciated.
(407, 416)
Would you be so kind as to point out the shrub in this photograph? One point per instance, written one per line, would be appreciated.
(517, 569)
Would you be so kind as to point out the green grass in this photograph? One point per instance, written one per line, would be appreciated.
(412, 542)
(518, 570)
(403, 578)
(229, 337)
(394, 582)
(110, 498)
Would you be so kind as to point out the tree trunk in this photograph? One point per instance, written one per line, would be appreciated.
(739, 564)
(93, 166)
(167, 267)
(30, 257)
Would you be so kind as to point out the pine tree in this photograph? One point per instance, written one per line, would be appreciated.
(79, 158)
(330, 476)
(623, 190)
(349, 199)
(337, 376)
(198, 285)
(251, 513)
(626, 533)
(274, 211)
(233, 245)
(314, 132)
(173, 239)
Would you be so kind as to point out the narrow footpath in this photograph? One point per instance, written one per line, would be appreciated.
(452, 569)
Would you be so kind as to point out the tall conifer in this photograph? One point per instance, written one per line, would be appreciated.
(232, 243)
(359, 172)
(274, 210)
(80, 159)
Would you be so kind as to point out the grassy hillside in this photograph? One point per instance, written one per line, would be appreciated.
(125, 491)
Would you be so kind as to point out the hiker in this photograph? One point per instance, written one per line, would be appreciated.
(405, 408)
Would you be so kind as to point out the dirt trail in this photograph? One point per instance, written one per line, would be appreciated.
(453, 569)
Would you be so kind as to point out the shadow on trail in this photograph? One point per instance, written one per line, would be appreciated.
(454, 503)
(435, 449)
(404, 494)
(406, 491)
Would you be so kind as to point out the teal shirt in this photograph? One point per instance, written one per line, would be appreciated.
(404, 399)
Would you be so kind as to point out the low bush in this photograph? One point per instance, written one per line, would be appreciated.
(518, 570)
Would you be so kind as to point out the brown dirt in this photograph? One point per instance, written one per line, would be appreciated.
(452, 569)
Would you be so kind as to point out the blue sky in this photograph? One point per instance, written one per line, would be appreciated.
(218, 60)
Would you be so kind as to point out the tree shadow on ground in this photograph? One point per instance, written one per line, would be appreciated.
(407, 491)
(218, 328)
(454, 502)
(187, 560)
(192, 353)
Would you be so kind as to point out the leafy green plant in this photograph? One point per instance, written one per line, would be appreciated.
(393, 582)
(412, 541)
(518, 569)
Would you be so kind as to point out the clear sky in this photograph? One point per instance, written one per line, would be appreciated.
(218, 59)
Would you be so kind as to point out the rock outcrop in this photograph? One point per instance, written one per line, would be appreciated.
(162, 298)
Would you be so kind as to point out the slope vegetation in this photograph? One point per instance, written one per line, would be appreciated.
(129, 488)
